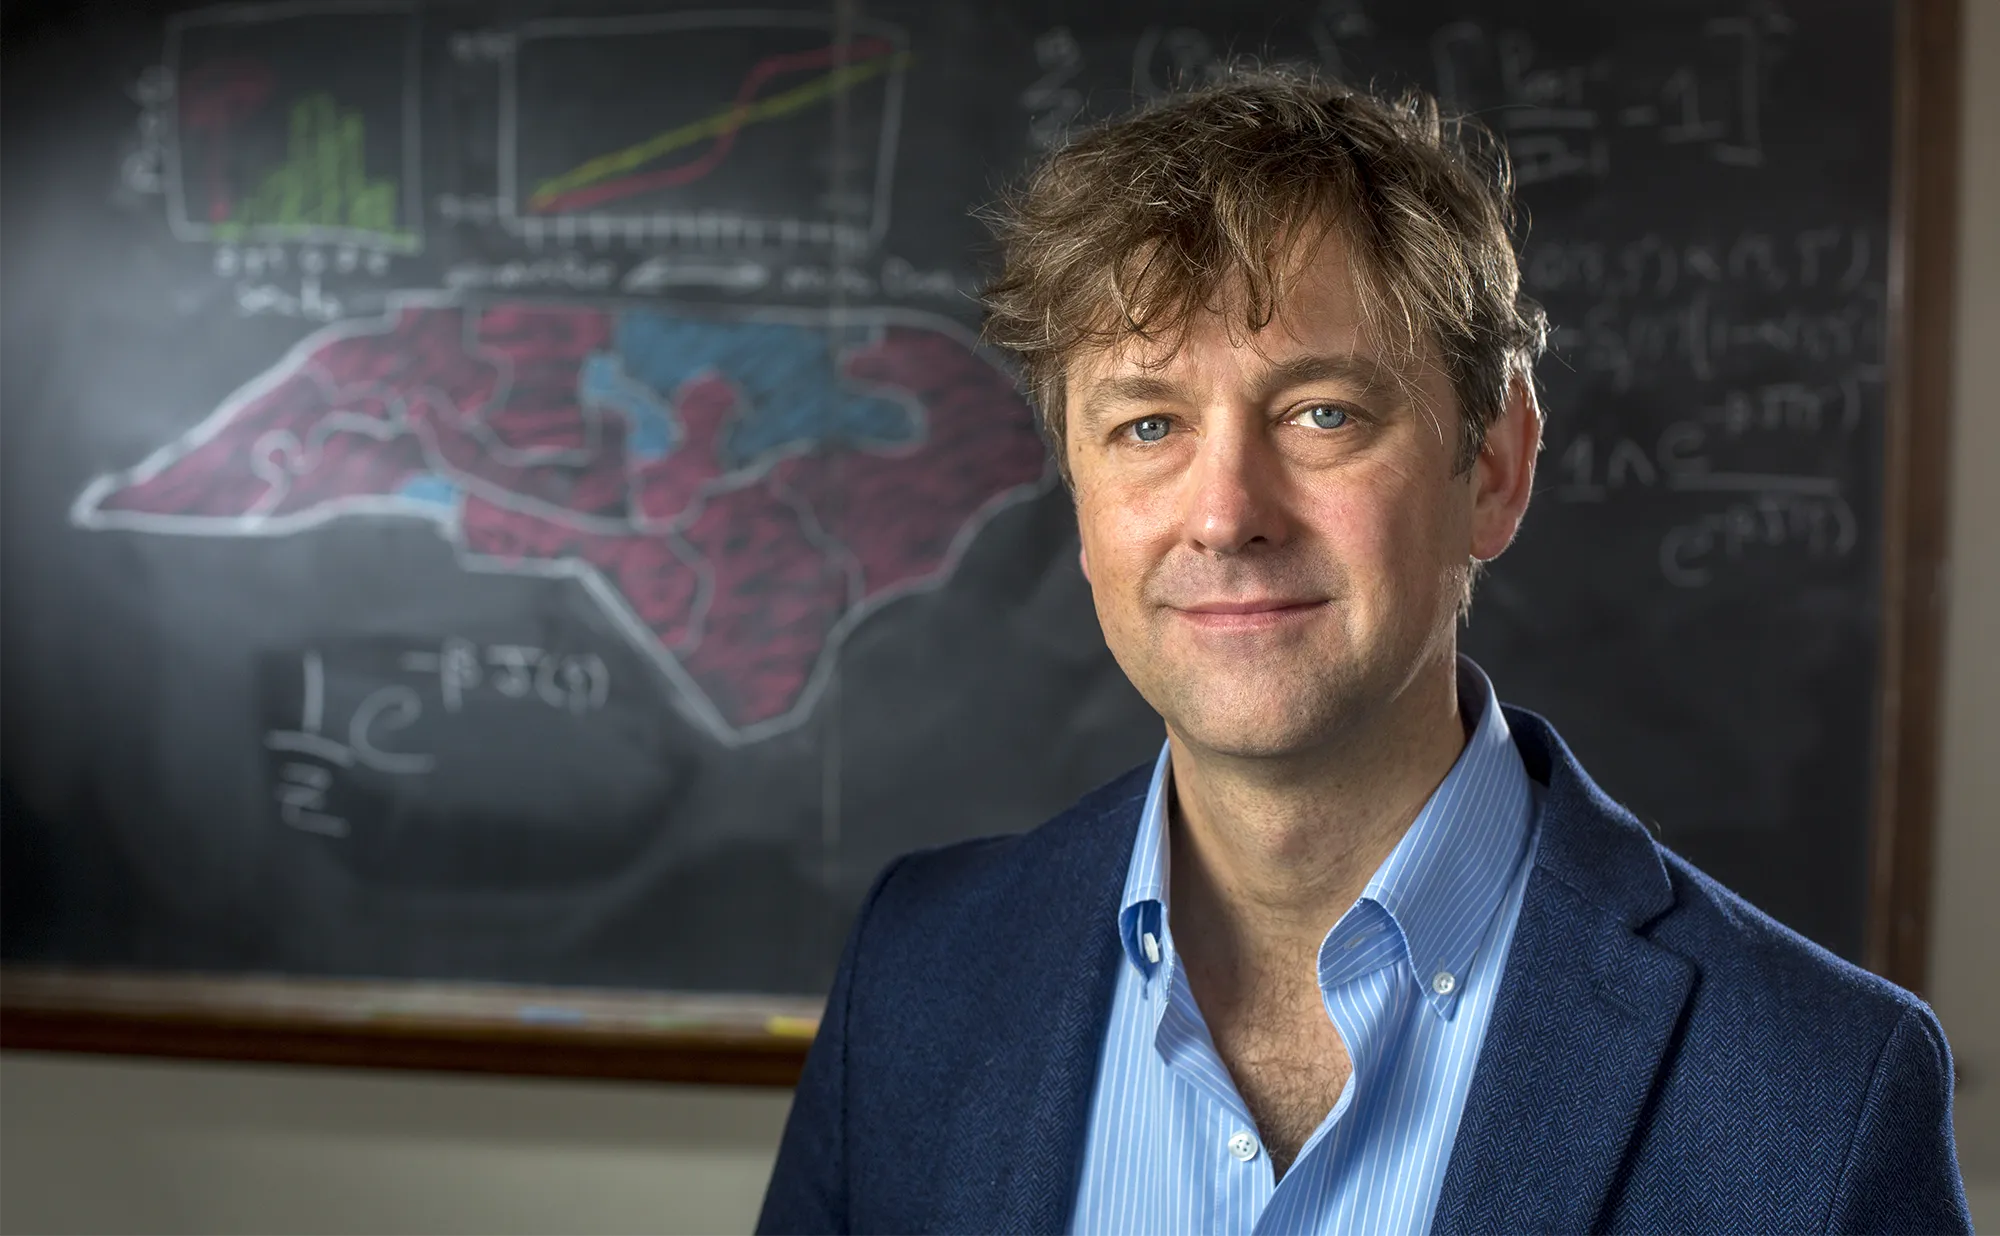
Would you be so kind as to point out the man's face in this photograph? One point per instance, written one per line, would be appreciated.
(1271, 526)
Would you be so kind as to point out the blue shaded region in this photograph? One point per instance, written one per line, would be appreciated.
(786, 374)
(603, 383)
(430, 488)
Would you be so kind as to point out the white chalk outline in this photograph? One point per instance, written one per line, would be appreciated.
(409, 193)
(689, 697)
(665, 225)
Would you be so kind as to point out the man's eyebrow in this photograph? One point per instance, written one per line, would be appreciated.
(1353, 368)
(1125, 389)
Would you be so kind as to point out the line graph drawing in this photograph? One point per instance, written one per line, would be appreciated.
(593, 182)
(764, 129)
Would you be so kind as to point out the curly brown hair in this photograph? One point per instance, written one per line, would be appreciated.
(1140, 223)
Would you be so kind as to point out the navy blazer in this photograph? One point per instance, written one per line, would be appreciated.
(1663, 1057)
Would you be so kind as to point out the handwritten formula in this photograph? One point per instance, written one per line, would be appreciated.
(336, 721)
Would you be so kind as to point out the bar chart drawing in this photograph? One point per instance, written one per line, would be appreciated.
(296, 123)
(756, 129)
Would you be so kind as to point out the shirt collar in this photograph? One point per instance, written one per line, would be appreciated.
(1440, 886)
(1142, 909)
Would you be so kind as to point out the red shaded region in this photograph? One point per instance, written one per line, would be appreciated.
(308, 436)
(664, 488)
(595, 488)
(418, 378)
(213, 98)
(422, 350)
(744, 587)
(775, 597)
(347, 465)
(657, 584)
(898, 514)
(537, 440)
(545, 347)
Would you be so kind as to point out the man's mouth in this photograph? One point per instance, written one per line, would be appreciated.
(1253, 614)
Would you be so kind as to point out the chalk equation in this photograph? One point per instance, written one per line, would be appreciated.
(1759, 353)
(1656, 266)
(1558, 118)
(1774, 511)
(332, 723)
(1818, 523)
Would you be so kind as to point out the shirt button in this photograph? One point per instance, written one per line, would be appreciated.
(1243, 1146)
(1443, 983)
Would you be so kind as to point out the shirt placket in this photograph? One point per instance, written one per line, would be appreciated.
(1240, 1180)
(1361, 983)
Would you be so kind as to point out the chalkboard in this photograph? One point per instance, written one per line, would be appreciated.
(513, 494)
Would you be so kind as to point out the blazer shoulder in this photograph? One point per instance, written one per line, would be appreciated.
(1829, 1078)
(1744, 958)
(1743, 952)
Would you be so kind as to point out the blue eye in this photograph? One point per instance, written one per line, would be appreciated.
(1327, 416)
(1152, 429)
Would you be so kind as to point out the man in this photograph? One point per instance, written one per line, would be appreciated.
(1363, 951)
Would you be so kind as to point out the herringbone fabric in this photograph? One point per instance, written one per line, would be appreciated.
(1662, 1057)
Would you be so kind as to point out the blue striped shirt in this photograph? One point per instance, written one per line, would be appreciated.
(1408, 976)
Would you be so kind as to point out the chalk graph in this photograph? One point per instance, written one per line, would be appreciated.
(269, 144)
(775, 128)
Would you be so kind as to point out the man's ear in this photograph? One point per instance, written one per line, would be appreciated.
(1503, 477)
(1083, 560)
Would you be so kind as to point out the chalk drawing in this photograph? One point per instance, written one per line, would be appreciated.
(737, 492)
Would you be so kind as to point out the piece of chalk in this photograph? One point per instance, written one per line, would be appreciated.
(792, 1027)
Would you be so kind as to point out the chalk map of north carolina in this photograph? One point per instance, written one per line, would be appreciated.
(737, 493)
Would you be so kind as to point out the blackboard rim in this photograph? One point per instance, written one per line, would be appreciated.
(732, 1040)
(1923, 225)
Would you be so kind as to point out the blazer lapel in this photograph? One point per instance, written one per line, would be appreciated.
(1052, 1001)
(1587, 1013)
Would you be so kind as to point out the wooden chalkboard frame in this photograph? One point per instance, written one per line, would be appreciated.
(1923, 221)
(762, 1041)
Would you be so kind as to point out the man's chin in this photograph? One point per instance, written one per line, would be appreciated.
(1269, 728)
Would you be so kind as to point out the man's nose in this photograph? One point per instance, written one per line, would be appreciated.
(1233, 497)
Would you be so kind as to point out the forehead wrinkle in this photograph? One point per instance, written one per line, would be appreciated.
(1352, 368)
(1127, 388)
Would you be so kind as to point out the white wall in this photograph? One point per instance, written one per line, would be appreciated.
(1966, 926)
(95, 1145)
(129, 1146)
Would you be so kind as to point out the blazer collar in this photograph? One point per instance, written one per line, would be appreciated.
(1586, 1012)
(1032, 1094)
